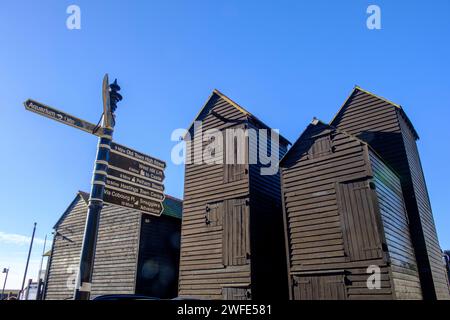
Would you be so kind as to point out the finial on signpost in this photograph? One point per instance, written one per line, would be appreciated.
(114, 95)
(110, 98)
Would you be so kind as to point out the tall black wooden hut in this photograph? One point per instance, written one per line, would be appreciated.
(136, 253)
(344, 214)
(385, 126)
(232, 244)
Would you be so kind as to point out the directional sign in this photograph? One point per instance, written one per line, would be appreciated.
(120, 162)
(134, 180)
(60, 116)
(131, 188)
(137, 180)
(133, 154)
(132, 201)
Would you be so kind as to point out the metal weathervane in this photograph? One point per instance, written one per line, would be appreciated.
(122, 176)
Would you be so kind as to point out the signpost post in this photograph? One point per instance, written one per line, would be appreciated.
(84, 277)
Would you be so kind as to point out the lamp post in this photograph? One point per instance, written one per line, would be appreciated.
(28, 259)
(5, 270)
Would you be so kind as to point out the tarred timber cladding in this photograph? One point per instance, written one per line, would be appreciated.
(65, 255)
(229, 213)
(385, 128)
(116, 252)
(267, 226)
(311, 202)
(396, 227)
(202, 272)
(159, 256)
(330, 214)
(115, 255)
(426, 216)
(326, 287)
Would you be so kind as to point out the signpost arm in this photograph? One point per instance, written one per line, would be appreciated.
(84, 277)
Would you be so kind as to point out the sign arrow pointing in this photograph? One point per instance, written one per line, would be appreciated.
(60, 116)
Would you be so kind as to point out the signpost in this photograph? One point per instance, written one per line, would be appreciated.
(85, 269)
(55, 114)
(136, 167)
(129, 200)
(122, 176)
(135, 180)
(133, 154)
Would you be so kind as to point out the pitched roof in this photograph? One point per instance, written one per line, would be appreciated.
(238, 107)
(316, 122)
(173, 207)
(80, 195)
(397, 106)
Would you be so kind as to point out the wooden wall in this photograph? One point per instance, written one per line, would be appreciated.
(404, 269)
(226, 214)
(65, 257)
(267, 227)
(421, 202)
(202, 270)
(159, 256)
(386, 128)
(333, 226)
(116, 253)
(117, 250)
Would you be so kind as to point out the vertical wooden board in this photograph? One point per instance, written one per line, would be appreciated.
(236, 232)
(361, 231)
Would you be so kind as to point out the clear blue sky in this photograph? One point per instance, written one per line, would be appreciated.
(285, 61)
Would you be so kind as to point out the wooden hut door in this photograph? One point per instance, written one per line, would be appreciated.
(360, 226)
(236, 294)
(236, 233)
(319, 287)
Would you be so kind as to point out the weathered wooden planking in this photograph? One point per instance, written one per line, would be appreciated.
(332, 220)
(388, 130)
(226, 212)
(116, 260)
